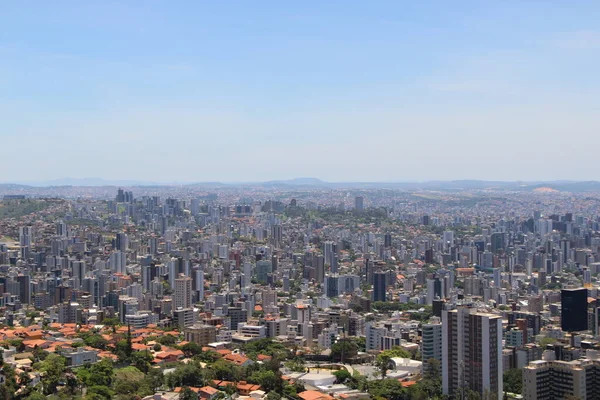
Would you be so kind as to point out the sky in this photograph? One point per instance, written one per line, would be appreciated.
(230, 91)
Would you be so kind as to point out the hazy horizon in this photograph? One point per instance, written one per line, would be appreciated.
(299, 181)
(350, 91)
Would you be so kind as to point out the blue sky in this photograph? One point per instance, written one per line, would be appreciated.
(339, 90)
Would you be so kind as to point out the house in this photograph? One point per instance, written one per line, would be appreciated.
(81, 356)
(168, 356)
(193, 389)
(208, 393)
(238, 359)
(244, 388)
(314, 395)
(31, 344)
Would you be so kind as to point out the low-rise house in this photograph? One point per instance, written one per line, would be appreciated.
(80, 357)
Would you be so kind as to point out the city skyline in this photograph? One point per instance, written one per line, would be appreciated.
(345, 92)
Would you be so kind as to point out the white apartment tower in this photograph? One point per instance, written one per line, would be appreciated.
(183, 292)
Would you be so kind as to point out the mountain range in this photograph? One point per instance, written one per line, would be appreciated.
(454, 185)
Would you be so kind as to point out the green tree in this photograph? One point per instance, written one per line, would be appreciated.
(96, 341)
(226, 371)
(36, 396)
(344, 349)
(513, 380)
(142, 360)
(383, 363)
(544, 342)
(187, 394)
(53, 367)
(154, 379)
(191, 349)
(208, 357)
(99, 392)
(111, 322)
(273, 396)
(167, 340)
(266, 379)
(397, 352)
(39, 354)
(101, 373)
(296, 365)
(361, 342)
(342, 376)
(190, 374)
(390, 389)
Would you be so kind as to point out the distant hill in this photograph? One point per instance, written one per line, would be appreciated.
(307, 182)
(92, 182)
(297, 182)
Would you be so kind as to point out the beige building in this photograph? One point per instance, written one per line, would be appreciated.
(183, 292)
(547, 380)
(201, 334)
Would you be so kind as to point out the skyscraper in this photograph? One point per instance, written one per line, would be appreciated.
(183, 292)
(497, 240)
(359, 203)
(247, 278)
(573, 315)
(431, 345)
(263, 269)
(332, 286)
(276, 235)
(318, 263)
(379, 286)
(471, 352)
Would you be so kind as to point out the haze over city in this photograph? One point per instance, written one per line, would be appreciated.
(342, 91)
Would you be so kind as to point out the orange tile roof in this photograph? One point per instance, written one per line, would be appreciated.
(237, 359)
(314, 395)
(209, 390)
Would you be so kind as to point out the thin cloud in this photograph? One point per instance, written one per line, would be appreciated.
(580, 40)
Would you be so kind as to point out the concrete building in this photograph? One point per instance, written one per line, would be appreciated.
(471, 352)
(431, 344)
(183, 292)
(201, 334)
(561, 379)
(80, 357)
(184, 317)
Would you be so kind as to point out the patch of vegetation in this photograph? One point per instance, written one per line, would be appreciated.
(21, 207)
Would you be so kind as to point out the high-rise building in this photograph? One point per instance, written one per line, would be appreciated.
(263, 269)
(332, 286)
(359, 203)
(121, 242)
(431, 345)
(561, 379)
(24, 282)
(276, 235)
(379, 286)
(200, 282)
(183, 292)
(247, 278)
(471, 352)
(318, 263)
(434, 290)
(573, 315)
(497, 240)
(387, 240)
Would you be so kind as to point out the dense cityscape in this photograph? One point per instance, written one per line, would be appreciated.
(299, 291)
(311, 200)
